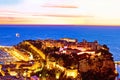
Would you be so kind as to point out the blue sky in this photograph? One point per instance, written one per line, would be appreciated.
(9, 2)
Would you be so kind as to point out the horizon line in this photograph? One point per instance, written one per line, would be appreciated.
(76, 25)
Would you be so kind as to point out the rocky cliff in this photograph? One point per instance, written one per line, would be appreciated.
(91, 60)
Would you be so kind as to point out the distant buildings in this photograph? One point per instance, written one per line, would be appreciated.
(69, 39)
(57, 59)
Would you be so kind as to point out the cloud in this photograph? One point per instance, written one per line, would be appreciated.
(60, 6)
(90, 10)
(101, 8)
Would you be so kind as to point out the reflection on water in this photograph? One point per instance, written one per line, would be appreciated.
(118, 70)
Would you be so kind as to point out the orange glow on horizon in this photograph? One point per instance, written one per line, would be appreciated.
(58, 21)
(57, 12)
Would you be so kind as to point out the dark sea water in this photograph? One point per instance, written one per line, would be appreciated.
(104, 35)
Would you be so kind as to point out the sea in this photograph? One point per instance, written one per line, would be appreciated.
(14, 34)
(109, 35)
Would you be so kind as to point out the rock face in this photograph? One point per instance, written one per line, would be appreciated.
(97, 68)
(89, 60)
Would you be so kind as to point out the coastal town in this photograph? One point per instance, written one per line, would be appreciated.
(64, 59)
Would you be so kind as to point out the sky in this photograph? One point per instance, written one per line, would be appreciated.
(75, 12)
